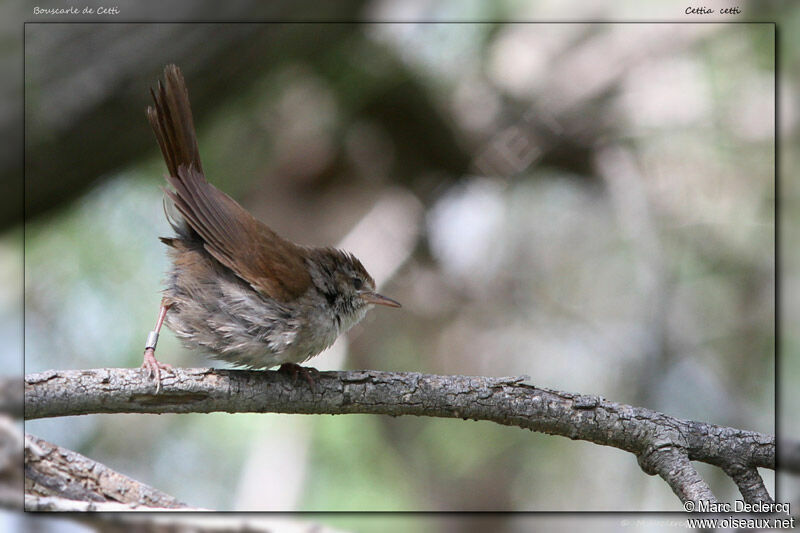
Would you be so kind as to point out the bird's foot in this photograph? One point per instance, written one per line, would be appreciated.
(154, 367)
(309, 373)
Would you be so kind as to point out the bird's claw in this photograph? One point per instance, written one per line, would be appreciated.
(154, 367)
(306, 371)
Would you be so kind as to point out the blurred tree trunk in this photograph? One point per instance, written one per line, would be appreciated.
(86, 88)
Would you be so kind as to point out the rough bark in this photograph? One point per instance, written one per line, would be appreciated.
(57, 479)
(663, 444)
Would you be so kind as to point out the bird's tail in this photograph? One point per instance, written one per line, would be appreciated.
(171, 119)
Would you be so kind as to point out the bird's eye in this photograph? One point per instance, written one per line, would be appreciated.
(358, 283)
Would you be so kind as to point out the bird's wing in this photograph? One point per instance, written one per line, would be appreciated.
(270, 264)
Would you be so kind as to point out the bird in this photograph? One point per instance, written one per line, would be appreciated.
(236, 289)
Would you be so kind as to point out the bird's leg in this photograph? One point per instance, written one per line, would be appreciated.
(306, 371)
(150, 363)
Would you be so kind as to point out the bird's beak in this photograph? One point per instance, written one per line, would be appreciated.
(377, 299)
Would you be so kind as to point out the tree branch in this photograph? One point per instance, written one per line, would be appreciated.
(664, 444)
(673, 465)
(58, 479)
(35, 502)
(109, 517)
(750, 483)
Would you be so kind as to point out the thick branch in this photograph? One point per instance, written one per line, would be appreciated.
(506, 401)
(57, 479)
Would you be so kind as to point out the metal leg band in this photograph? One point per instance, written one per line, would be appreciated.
(152, 340)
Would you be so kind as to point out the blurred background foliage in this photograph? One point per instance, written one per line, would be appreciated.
(588, 204)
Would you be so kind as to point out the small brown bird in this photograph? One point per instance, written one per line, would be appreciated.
(236, 289)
